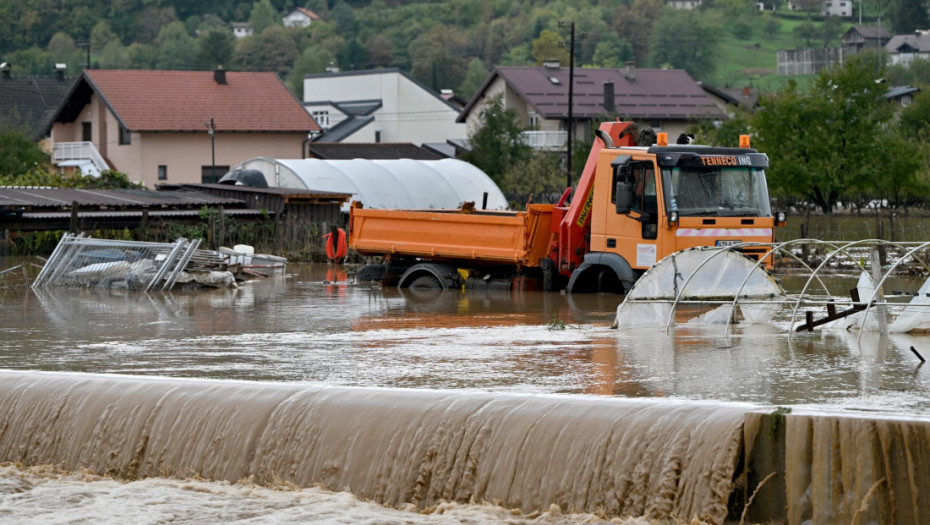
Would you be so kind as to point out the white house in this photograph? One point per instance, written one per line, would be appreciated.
(383, 105)
(300, 17)
(904, 48)
(242, 29)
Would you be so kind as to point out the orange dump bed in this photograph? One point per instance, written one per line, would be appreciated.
(481, 237)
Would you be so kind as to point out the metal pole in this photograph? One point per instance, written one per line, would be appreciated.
(571, 84)
(212, 152)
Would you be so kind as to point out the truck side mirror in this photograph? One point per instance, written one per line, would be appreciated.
(624, 197)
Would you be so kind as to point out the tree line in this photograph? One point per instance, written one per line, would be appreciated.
(445, 44)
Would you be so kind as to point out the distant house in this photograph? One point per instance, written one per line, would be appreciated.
(905, 48)
(31, 102)
(242, 29)
(176, 126)
(857, 38)
(383, 105)
(902, 95)
(300, 17)
(841, 8)
(666, 99)
(728, 99)
(685, 5)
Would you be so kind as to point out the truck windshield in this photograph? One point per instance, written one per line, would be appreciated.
(717, 191)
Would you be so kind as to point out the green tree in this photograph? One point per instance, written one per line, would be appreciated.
(825, 141)
(908, 16)
(263, 16)
(685, 40)
(273, 50)
(474, 77)
(314, 59)
(215, 48)
(549, 47)
(174, 48)
(497, 147)
(806, 32)
(21, 154)
(634, 23)
(438, 58)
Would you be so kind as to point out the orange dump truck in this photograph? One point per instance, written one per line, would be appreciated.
(633, 205)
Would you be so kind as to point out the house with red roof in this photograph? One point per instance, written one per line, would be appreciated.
(668, 100)
(177, 126)
(300, 17)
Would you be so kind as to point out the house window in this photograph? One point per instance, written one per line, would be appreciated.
(207, 173)
(162, 172)
(321, 117)
(534, 120)
(377, 135)
(125, 138)
(86, 134)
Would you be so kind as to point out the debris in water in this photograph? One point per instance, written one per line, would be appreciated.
(85, 262)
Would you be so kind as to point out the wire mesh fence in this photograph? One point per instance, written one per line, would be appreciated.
(80, 261)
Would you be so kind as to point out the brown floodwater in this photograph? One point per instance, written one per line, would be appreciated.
(301, 327)
(472, 407)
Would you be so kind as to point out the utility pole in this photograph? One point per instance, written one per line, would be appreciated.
(571, 97)
(210, 127)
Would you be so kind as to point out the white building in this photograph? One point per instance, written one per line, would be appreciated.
(383, 105)
(300, 17)
(242, 29)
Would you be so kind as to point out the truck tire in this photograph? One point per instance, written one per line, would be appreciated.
(425, 282)
(371, 272)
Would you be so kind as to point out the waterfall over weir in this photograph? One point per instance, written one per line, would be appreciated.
(618, 456)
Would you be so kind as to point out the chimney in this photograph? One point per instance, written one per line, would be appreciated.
(609, 96)
(60, 71)
(219, 75)
(5, 70)
(746, 91)
(630, 71)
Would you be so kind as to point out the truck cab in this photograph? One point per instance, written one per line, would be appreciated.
(648, 202)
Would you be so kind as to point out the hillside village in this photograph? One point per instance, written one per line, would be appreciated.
(178, 127)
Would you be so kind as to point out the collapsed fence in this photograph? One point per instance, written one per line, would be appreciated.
(80, 261)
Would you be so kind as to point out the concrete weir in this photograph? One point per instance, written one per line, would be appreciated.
(632, 457)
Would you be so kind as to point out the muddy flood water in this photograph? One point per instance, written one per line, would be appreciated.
(92, 360)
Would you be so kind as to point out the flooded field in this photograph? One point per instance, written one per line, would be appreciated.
(303, 331)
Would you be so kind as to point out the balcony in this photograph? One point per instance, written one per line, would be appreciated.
(545, 139)
(79, 155)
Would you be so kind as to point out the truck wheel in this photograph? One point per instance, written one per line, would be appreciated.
(371, 272)
(425, 282)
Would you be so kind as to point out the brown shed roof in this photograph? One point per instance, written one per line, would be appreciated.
(187, 100)
(639, 94)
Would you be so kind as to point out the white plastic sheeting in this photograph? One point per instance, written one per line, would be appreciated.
(713, 277)
(916, 315)
(386, 184)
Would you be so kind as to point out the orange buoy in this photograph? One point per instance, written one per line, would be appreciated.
(336, 246)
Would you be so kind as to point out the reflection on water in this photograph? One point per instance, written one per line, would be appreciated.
(314, 326)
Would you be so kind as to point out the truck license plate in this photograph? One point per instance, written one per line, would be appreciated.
(724, 244)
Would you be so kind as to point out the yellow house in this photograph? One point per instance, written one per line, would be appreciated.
(177, 126)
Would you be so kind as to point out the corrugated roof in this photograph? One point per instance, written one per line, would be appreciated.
(381, 150)
(646, 94)
(33, 100)
(59, 197)
(187, 100)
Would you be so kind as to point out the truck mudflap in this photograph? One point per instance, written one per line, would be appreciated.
(602, 272)
(430, 275)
